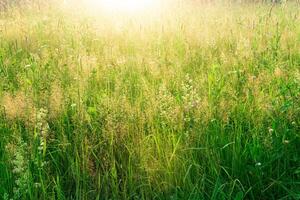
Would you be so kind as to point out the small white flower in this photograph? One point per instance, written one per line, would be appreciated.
(37, 185)
(271, 130)
(258, 164)
(286, 141)
(73, 105)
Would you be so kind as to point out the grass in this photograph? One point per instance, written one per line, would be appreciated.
(192, 102)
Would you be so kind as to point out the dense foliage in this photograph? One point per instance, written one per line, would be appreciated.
(192, 102)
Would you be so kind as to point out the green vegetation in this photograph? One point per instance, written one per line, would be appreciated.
(193, 102)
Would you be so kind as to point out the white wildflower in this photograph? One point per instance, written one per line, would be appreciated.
(258, 164)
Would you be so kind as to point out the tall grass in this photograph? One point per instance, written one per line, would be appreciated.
(191, 102)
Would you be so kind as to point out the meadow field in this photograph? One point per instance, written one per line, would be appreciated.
(187, 101)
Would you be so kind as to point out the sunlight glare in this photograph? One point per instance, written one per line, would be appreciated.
(124, 6)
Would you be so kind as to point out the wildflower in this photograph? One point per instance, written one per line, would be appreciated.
(20, 170)
(37, 185)
(166, 106)
(286, 141)
(258, 164)
(42, 130)
(5, 196)
(271, 130)
(190, 98)
(42, 126)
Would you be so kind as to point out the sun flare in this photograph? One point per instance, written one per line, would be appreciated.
(124, 6)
